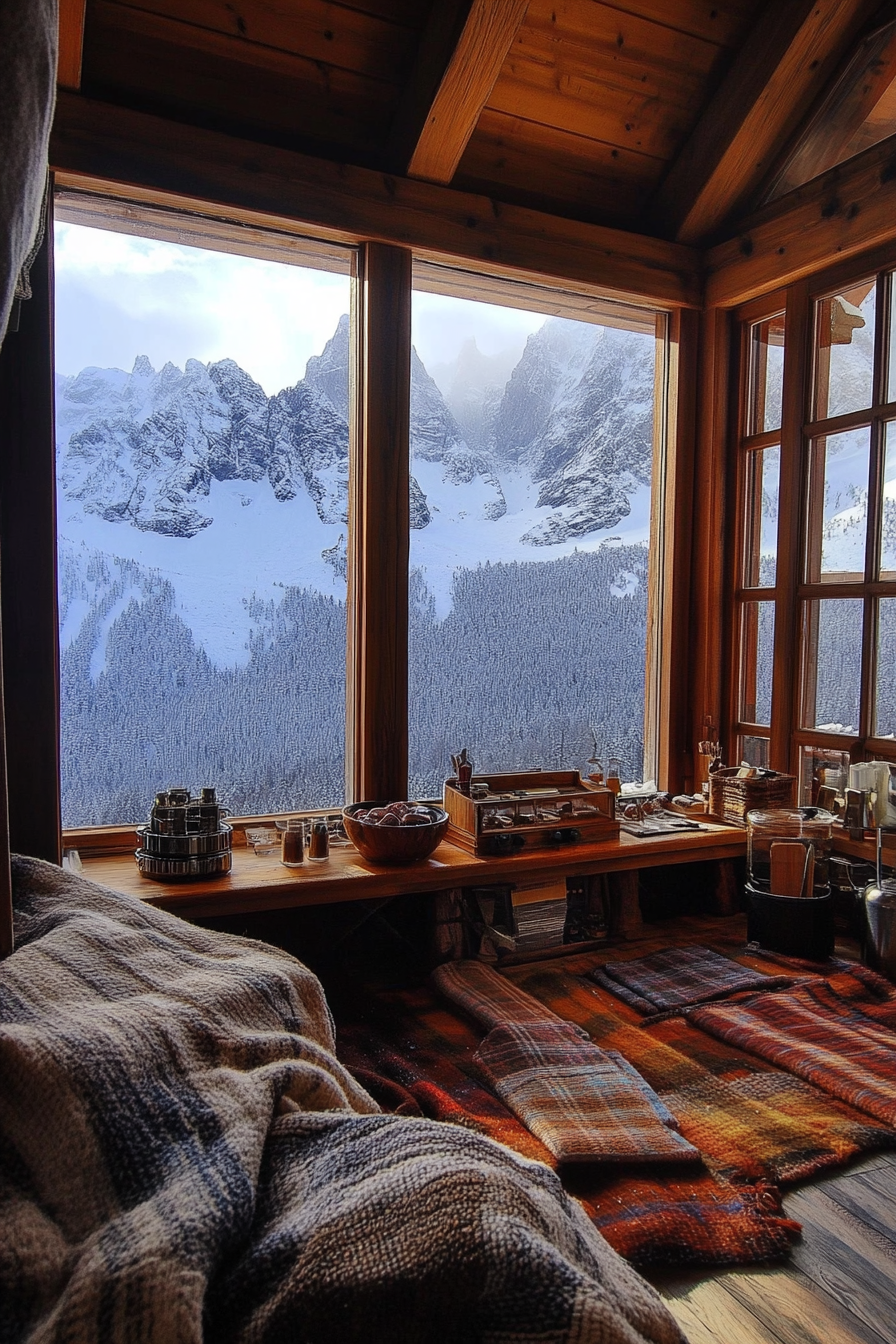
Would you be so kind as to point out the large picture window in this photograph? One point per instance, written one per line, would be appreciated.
(210, 381)
(532, 475)
(202, 482)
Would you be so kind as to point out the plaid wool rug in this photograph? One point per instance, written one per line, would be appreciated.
(756, 1126)
(838, 1033)
(674, 1215)
(575, 1098)
(677, 977)
(583, 1104)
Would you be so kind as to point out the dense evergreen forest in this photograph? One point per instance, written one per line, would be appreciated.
(530, 655)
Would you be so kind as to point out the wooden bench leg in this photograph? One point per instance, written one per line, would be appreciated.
(624, 915)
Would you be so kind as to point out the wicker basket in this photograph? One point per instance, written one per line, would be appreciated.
(730, 798)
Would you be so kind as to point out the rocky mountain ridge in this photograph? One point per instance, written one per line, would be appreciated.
(575, 417)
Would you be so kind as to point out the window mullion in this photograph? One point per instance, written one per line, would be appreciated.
(377, 717)
(785, 687)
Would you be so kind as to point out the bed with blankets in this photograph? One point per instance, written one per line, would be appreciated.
(184, 1158)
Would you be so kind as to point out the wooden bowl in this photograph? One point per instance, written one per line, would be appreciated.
(393, 844)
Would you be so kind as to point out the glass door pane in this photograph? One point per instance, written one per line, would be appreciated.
(766, 374)
(888, 512)
(753, 751)
(757, 646)
(820, 766)
(844, 365)
(763, 469)
(838, 506)
(885, 713)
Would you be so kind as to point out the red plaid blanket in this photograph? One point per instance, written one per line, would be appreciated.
(489, 998)
(568, 1093)
(667, 981)
(838, 1033)
(576, 1098)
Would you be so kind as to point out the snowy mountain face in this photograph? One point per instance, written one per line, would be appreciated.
(143, 448)
(202, 564)
(575, 417)
(577, 413)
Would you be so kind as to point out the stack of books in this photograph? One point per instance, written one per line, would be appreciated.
(539, 915)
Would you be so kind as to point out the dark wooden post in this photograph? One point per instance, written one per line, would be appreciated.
(6, 929)
(28, 597)
(377, 709)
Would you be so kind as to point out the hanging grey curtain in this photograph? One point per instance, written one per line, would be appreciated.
(28, 42)
(28, 47)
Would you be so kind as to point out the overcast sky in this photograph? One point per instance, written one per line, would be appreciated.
(118, 297)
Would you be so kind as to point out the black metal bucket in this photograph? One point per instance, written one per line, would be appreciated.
(795, 926)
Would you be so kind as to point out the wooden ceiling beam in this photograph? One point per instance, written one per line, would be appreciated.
(71, 43)
(434, 51)
(844, 212)
(475, 63)
(780, 70)
(100, 146)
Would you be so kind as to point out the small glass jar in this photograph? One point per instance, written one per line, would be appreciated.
(319, 845)
(809, 827)
(292, 854)
(614, 780)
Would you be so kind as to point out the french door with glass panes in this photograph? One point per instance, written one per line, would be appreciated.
(813, 633)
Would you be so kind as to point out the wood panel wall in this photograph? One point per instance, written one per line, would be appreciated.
(321, 74)
(150, 158)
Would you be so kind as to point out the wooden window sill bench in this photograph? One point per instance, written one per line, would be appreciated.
(256, 883)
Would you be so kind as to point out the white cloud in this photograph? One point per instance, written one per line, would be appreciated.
(119, 297)
(442, 324)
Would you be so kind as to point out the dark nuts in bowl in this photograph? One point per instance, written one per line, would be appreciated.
(394, 832)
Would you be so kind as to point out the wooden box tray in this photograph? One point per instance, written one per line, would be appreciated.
(528, 810)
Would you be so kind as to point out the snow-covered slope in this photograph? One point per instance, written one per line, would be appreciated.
(197, 478)
(577, 413)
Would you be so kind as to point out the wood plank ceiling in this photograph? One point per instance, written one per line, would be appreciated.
(662, 117)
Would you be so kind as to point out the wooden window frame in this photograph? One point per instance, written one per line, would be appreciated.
(747, 442)
(376, 721)
(793, 589)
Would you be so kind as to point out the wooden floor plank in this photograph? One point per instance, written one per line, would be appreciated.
(798, 1310)
(851, 1263)
(868, 1199)
(710, 1315)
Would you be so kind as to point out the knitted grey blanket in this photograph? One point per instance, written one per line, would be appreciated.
(28, 40)
(183, 1158)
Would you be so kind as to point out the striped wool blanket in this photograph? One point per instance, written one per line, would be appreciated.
(676, 977)
(183, 1158)
(838, 1032)
(583, 1104)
